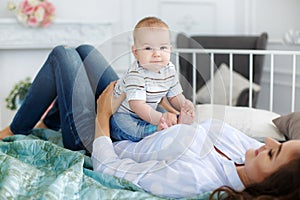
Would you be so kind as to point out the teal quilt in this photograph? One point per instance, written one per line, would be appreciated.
(38, 167)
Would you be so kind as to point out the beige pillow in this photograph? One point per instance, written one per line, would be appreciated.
(256, 123)
(221, 87)
(289, 125)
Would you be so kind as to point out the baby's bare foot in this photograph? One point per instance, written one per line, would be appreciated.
(5, 133)
(185, 118)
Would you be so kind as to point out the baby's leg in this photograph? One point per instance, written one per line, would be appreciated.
(125, 126)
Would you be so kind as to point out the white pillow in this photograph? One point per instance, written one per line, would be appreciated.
(221, 87)
(256, 123)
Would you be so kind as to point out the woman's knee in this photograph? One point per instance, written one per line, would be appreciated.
(86, 50)
(85, 47)
(60, 49)
(65, 57)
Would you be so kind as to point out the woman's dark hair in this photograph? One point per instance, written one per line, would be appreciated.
(282, 184)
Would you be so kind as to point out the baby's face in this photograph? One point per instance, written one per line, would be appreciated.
(152, 48)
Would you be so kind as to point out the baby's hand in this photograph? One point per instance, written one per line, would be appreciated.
(189, 108)
(167, 120)
(170, 118)
(162, 124)
(187, 113)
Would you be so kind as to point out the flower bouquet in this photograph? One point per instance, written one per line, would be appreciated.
(33, 13)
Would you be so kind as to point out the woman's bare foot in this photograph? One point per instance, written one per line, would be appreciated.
(41, 124)
(162, 124)
(5, 133)
(185, 118)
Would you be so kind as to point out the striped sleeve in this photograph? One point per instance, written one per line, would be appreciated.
(176, 88)
(135, 86)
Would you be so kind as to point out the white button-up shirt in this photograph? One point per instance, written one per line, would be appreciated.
(180, 161)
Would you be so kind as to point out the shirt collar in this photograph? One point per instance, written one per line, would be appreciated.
(231, 173)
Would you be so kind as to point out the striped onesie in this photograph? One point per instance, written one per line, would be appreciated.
(141, 84)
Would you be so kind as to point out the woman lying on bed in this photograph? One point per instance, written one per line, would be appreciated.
(180, 161)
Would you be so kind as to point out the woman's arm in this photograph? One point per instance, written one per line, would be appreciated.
(181, 103)
(107, 104)
(104, 157)
(166, 105)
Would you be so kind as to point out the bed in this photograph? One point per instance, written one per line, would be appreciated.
(38, 167)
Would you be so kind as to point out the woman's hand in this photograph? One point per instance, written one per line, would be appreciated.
(107, 104)
(170, 118)
(167, 120)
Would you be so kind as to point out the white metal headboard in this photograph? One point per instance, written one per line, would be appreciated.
(250, 53)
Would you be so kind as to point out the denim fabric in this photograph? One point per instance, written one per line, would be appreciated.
(74, 78)
(125, 126)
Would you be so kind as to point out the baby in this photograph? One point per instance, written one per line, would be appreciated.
(148, 80)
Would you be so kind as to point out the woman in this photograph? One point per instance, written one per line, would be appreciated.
(270, 171)
(76, 77)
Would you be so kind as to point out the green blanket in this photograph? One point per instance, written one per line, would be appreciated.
(38, 167)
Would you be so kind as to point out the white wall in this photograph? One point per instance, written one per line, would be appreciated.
(15, 65)
(276, 17)
(193, 16)
(216, 16)
(190, 16)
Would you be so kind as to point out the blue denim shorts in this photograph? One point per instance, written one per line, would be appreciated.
(125, 126)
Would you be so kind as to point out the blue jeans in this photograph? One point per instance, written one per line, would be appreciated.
(125, 126)
(73, 78)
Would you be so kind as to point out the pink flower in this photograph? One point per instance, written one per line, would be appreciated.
(26, 7)
(46, 22)
(23, 4)
(32, 21)
(39, 13)
(50, 9)
(36, 13)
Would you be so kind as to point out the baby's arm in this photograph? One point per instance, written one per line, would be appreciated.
(179, 102)
(145, 112)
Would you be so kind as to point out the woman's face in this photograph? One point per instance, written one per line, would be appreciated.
(262, 162)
